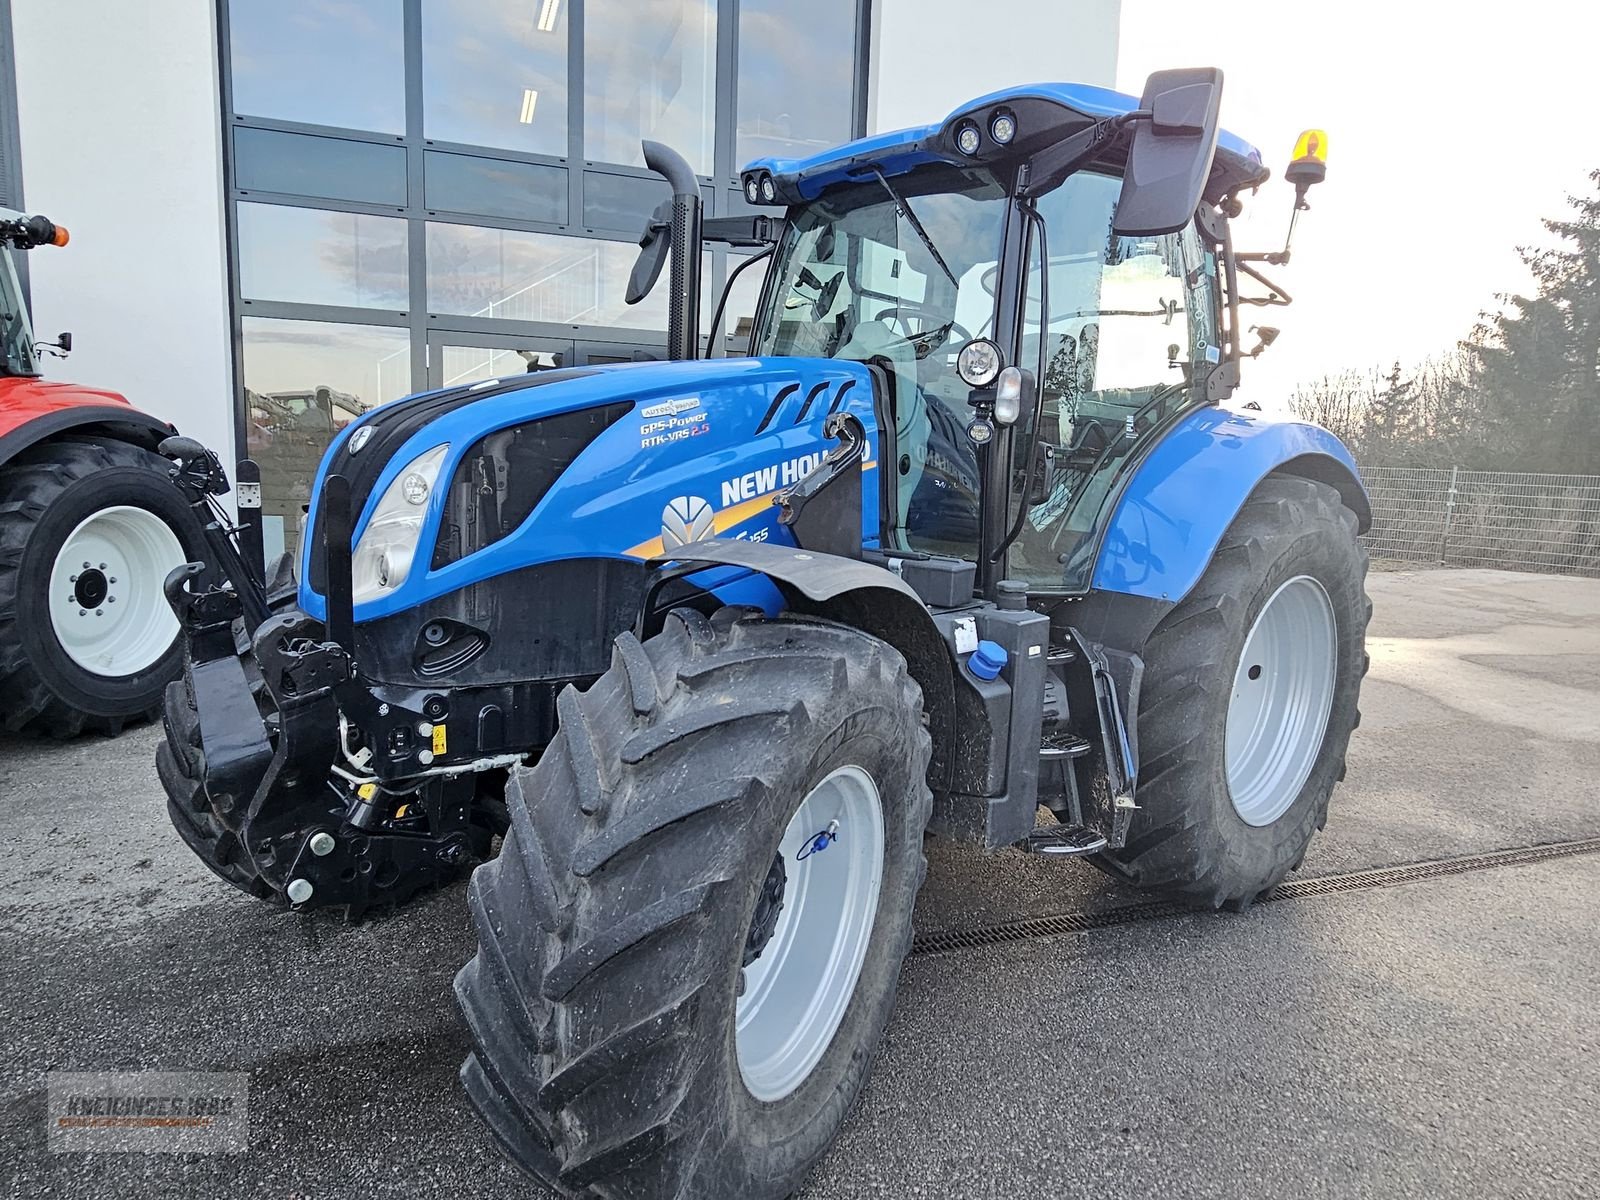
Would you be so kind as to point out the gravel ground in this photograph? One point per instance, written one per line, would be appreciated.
(1438, 1038)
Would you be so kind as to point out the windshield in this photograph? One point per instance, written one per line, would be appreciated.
(16, 335)
(855, 278)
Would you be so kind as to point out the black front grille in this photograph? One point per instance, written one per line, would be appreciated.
(502, 478)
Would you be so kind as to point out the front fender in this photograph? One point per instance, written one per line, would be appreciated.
(858, 594)
(1183, 496)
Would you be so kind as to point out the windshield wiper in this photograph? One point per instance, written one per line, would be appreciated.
(904, 209)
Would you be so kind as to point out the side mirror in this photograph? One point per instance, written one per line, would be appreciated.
(1170, 159)
(653, 248)
(65, 342)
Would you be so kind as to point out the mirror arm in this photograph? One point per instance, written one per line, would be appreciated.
(1280, 258)
(1054, 163)
(1276, 297)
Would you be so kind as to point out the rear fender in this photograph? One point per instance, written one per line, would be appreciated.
(85, 421)
(1175, 507)
(863, 596)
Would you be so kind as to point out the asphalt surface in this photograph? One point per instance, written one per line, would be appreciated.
(1436, 1038)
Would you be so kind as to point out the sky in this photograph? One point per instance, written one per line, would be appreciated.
(1452, 129)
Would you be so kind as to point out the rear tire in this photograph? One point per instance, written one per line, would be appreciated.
(616, 924)
(1214, 831)
(68, 664)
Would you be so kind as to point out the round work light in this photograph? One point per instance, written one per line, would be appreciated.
(978, 364)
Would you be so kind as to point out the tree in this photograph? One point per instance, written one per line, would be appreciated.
(1535, 365)
(1392, 426)
(1521, 393)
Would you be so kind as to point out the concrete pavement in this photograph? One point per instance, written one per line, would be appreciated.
(1438, 1038)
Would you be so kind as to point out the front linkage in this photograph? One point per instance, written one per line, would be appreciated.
(263, 780)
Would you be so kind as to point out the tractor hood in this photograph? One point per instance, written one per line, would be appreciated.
(614, 462)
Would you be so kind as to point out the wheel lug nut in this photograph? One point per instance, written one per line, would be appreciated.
(73, 579)
(82, 613)
(111, 599)
(99, 612)
(102, 566)
(113, 579)
(85, 566)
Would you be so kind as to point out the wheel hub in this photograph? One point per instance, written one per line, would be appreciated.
(765, 923)
(1282, 695)
(820, 898)
(91, 588)
(106, 606)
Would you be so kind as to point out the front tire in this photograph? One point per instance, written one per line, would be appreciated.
(88, 532)
(1248, 701)
(616, 999)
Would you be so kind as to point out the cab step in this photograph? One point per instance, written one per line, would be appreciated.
(1065, 840)
(1056, 746)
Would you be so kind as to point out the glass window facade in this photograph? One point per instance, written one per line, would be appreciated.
(318, 62)
(303, 382)
(494, 73)
(269, 160)
(795, 73)
(315, 256)
(432, 189)
(650, 71)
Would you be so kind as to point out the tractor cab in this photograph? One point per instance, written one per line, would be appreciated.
(1038, 284)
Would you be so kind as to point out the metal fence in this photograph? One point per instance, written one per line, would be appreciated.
(1460, 518)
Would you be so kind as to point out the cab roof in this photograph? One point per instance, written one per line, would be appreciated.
(1045, 113)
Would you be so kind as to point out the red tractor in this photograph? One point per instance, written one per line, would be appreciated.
(90, 525)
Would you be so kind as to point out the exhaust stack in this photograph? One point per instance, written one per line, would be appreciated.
(684, 235)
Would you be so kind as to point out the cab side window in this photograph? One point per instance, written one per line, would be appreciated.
(1131, 323)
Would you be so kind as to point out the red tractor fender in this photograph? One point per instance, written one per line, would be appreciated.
(34, 410)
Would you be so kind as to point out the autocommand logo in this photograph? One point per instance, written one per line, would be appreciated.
(671, 408)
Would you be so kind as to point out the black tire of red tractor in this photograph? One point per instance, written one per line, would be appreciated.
(180, 764)
(45, 492)
(612, 925)
(1186, 838)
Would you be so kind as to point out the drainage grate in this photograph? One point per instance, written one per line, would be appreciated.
(946, 940)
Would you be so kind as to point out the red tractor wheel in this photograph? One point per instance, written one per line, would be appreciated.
(88, 532)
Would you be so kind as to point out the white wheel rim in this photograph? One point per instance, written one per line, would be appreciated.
(106, 605)
(797, 992)
(1282, 694)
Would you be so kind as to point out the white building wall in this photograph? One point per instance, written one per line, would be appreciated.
(930, 56)
(118, 111)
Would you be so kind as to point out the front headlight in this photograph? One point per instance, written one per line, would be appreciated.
(384, 555)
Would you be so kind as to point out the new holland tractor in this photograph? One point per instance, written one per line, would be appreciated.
(968, 545)
(90, 527)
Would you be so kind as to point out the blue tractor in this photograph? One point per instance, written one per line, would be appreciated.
(967, 545)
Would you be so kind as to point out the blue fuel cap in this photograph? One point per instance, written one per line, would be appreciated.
(987, 660)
